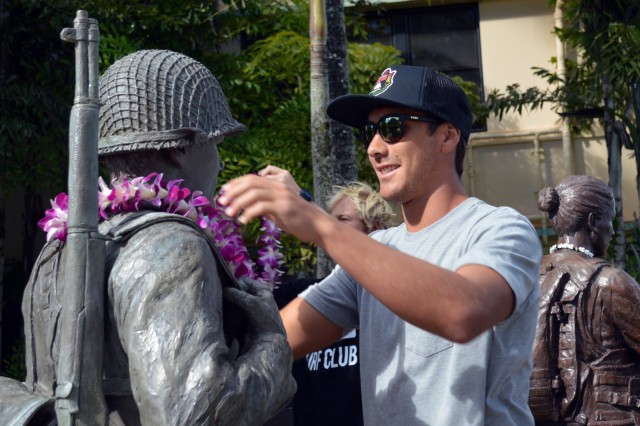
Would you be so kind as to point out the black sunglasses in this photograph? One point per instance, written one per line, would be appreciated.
(390, 127)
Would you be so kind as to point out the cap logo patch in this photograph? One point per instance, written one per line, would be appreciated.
(384, 82)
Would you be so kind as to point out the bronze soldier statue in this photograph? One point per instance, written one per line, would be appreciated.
(586, 353)
(184, 342)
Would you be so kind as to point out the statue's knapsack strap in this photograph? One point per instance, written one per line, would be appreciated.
(138, 221)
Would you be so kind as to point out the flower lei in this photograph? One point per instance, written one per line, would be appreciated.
(129, 195)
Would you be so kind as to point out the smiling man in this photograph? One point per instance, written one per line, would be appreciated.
(445, 302)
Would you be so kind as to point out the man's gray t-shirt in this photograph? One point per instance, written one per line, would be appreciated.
(412, 377)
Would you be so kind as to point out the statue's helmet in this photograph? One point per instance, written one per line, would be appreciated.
(159, 99)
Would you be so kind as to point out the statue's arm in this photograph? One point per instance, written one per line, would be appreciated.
(623, 306)
(167, 300)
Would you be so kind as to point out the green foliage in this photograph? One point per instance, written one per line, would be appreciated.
(276, 71)
(356, 18)
(15, 364)
(36, 80)
(516, 100)
(270, 95)
(256, 20)
(188, 26)
(606, 37)
(282, 139)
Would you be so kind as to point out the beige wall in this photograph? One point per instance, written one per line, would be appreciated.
(510, 171)
(516, 36)
(517, 156)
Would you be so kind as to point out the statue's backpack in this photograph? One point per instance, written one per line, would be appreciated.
(557, 379)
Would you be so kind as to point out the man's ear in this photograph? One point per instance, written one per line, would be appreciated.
(451, 138)
(591, 222)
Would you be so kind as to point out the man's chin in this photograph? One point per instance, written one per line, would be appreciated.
(388, 194)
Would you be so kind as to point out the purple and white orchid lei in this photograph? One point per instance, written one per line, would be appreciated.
(129, 195)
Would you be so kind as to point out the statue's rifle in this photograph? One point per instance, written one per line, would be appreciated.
(79, 395)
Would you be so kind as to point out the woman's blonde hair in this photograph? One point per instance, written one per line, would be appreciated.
(375, 212)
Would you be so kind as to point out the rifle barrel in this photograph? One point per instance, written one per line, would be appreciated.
(79, 396)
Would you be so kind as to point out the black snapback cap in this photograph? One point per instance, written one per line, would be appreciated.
(407, 86)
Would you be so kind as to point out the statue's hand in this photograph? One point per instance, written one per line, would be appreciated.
(256, 301)
(264, 351)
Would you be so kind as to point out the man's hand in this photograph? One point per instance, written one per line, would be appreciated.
(251, 196)
(281, 175)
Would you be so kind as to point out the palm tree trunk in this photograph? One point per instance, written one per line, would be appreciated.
(320, 128)
(342, 146)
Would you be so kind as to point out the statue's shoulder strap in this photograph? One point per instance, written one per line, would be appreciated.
(138, 221)
(579, 273)
(583, 272)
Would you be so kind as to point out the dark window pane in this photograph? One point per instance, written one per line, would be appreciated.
(380, 30)
(445, 40)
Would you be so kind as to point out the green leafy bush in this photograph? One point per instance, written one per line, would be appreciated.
(15, 364)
